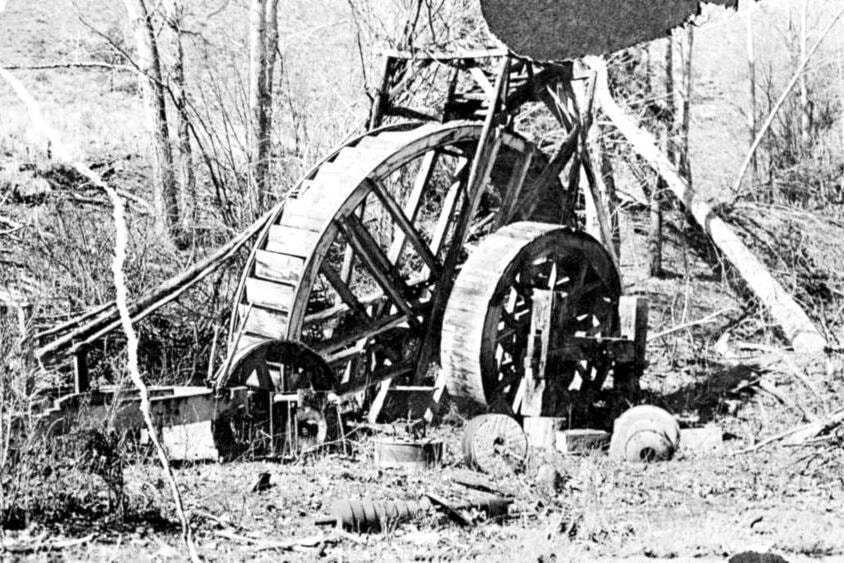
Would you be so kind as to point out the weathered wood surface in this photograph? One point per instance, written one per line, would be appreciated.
(566, 29)
(472, 328)
(798, 328)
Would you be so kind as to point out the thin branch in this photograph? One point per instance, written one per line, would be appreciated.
(705, 320)
(748, 159)
(120, 246)
(87, 64)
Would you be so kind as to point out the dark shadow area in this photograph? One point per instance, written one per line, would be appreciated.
(709, 397)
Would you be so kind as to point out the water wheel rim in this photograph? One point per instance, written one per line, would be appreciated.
(475, 317)
(337, 194)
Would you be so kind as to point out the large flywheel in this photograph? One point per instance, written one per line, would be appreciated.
(354, 263)
(488, 321)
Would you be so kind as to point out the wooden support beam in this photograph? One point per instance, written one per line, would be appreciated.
(514, 188)
(411, 206)
(378, 265)
(81, 377)
(378, 401)
(482, 164)
(798, 328)
(382, 95)
(342, 289)
(539, 341)
(448, 208)
(405, 224)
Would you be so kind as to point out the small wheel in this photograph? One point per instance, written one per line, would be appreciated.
(271, 370)
(282, 366)
(487, 321)
(643, 434)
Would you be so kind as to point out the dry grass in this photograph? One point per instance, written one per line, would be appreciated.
(704, 506)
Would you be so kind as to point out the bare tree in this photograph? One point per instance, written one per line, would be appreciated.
(263, 45)
(164, 181)
(186, 177)
(805, 109)
(666, 119)
(753, 113)
(683, 117)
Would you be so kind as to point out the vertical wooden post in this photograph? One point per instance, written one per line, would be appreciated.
(484, 159)
(536, 357)
(81, 378)
(382, 95)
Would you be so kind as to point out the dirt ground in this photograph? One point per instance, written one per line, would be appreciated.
(702, 506)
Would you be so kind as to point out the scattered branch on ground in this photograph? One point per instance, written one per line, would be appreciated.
(87, 64)
(705, 320)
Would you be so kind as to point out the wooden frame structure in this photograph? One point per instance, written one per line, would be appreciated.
(358, 263)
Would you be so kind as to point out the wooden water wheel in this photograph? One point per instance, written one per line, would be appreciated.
(359, 261)
(487, 323)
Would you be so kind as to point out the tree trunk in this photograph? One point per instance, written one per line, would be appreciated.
(798, 328)
(752, 115)
(187, 180)
(656, 205)
(805, 109)
(272, 52)
(258, 93)
(685, 120)
(164, 180)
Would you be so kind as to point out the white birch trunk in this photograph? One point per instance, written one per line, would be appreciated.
(164, 180)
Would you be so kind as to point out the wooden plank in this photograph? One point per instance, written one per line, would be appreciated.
(247, 341)
(302, 214)
(377, 264)
(445, 57)
(378, 402)
(481, 80)
(407, 228)
(81, 378)
(293, 241)
(263, 322)
(269, 294)
(514, 188)
(276, 267)
(448, 208)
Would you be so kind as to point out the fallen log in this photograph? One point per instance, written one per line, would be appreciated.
(798, 328)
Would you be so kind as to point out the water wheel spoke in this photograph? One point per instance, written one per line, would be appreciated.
(514, 327)
(378, 265)
(448, 208)
(407, 228)
(411, 206)
(343, 290)
(581, 291)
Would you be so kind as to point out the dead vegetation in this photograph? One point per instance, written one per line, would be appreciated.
(728, 370)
